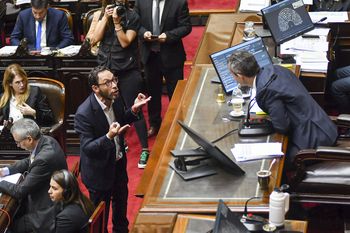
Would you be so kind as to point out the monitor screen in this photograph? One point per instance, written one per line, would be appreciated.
(220, 58)
(227, 222)
(287, 19)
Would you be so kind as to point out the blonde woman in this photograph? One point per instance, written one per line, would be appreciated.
(19, 100)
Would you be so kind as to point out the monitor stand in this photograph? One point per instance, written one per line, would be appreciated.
(194, 172)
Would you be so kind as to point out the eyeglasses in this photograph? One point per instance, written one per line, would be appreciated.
(20, 83)
(108, 83)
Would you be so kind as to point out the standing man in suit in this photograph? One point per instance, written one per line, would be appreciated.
(46, 156)
(101, 121)
(163, 25)
(42, 26)
(284, 98)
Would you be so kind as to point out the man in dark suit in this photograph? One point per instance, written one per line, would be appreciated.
(42, 26)
(45, 158)
(101, 121)
(284, 98)
(163, 25)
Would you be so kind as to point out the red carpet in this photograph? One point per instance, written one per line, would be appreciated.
(208, 5)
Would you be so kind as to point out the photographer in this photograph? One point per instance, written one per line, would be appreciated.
(115, 27)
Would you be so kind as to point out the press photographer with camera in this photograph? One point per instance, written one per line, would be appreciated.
(115, 27)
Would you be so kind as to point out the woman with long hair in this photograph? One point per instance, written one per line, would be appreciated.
(73, 209)
(115, 27)
(20, 100)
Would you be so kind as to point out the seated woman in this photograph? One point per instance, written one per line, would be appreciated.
(21, 100)
(72, 207)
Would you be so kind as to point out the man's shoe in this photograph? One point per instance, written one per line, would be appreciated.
(152, 131)
(143, 159)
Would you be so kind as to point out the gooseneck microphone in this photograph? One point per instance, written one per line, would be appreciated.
(256, 127)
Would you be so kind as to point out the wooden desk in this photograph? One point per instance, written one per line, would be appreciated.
(186, 223)
(166, 191)
(10, 203)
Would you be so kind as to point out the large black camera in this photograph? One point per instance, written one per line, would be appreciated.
(121, 9)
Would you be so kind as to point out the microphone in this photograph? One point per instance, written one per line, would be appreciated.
(256, 127)
(250, 221)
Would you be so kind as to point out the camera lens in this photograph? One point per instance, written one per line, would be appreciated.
(121, 10)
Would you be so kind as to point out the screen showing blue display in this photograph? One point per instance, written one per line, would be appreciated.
(219, 59)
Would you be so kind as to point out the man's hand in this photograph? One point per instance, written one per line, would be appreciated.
(148, 36)
(2, 172)
(162, 37)
(25, 109)
(139, 102)
(115, 129)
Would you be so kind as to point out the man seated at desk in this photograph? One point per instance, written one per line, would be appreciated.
(42, 27)
(292, 110)
(45, 158)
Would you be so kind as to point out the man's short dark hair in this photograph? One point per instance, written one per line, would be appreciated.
(39, 4)
(244, 63)
(93, 75)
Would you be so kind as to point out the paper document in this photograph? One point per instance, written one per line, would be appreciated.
(8, 50)
(253, 5)
(70, 50)
(11, 178)
(331, 16)
(253, 151)
(20, 2)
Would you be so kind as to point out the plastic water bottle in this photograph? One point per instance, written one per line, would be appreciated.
(279, 205)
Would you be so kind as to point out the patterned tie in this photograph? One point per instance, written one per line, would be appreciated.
(38, 37)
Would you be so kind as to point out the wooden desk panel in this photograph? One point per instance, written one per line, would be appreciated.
(167, 192)
(186, 223)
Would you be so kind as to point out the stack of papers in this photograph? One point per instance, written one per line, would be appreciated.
(254, 151)
(310, 50)
(8, 51)
(329, 16)
(253, 5)
(70, 50)
(11, 178)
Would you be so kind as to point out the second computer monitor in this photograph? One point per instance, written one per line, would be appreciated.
(287, 20)
(219, 59)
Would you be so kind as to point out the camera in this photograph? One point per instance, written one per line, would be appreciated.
(121, 9)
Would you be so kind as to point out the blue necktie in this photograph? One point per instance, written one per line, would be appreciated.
(38, 37)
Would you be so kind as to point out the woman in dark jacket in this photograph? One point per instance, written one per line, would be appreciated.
(20, 100)
(72, 208)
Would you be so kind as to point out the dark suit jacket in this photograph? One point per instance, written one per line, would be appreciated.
(97, 152)
(58, 34)
(292, 109)
(175, 23)
(49, 157)
(39, 102)
(70, 219)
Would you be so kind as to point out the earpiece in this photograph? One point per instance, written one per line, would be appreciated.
(66, 188)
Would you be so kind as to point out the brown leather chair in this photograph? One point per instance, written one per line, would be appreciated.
(55, 93)
(87, 19)
(323, 174)
(97, 219)
(69, 16)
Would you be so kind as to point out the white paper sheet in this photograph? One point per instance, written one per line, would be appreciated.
(254, 151)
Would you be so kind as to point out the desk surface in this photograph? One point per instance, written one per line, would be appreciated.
(198, 108)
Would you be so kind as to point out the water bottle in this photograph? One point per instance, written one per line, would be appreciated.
(279, 205)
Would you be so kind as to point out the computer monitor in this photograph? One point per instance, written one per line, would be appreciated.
(219, 59)
(287, 19)
(228, 222)
(213, 151)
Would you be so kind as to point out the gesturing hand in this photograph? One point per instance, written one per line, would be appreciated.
(25, 109)
(139, 102)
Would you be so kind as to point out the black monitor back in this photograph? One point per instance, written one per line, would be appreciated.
(213, 151)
